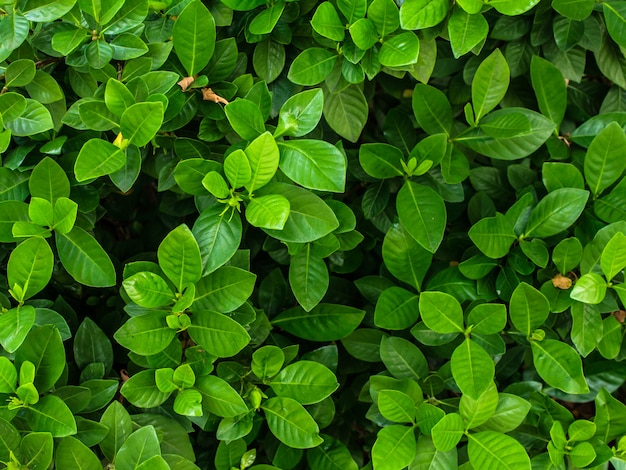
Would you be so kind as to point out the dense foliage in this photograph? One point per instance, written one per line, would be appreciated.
(302, 234)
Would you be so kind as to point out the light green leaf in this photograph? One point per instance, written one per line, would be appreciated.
(590, 288)
(472, 368)
(120, 426)
(141, 121)
(396, 309)
(431, 109)
(422, 14)
(179, 257)
(326, 22)
(396, 406)
(528, 309)
(381, 160)
(312, 66)
(487, 319)
(219, 397)
(314, 164)
(509, 414)
(490, 84)
(402, 358)
(148, 290)
(615, 18)
(141, 390)
(574, 9)
(476, 411)
(264, 156)
(29, 268)
(14, 29)
(15, 325)
(613, 259)
(300, 114)
(291, 423)
(140, 446)
(145, 334)
(34, 119)
(559, 365)
(44, 88)
(400, 50)
(441, 312)
(307, 382)
(194, 37)
(550, 89)
(308, 277)
(220, 335)
(218, 235)
(385, 15)
(117, 97)
(237, 169)
(270, 211)
(84, 258)
(466, 31)
(245, 118)
(422, 213)
(332, 453)
(394, 447)
(490, 449)
(72, 454)
(603, 161)
(556, 212)
(51, 414)
(447, 432)
(96, 158)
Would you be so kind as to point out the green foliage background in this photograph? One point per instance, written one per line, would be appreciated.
(300, 234)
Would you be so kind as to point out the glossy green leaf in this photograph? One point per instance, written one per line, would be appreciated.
(447, 432)
(550, 89)
(117, 97)
(291, 423)
(140, 446)
(346, 112)
(431, 109)
(224, 290)
(220, 398)
(573, 9)
(406, 259)
(180, 258)
(307, 382)
(487, 319)
(141, 121)
(15, 325)
(218, 236)
(472, 368)
(263, 155)
(34, 119)
(43, 346)
(559, 365)
(44, 88)
(145, 334)
(85, 259)
(308, 277)
(396, 406)
(396, 309)
(381, 160)
(556, 212)
(326, 22)
(148, 290)
(363, 33)
(466, 31)
(312, 66)
(490, 449)
(51, 414)
(194, 37)
(589, 288)
(313, 164)
(490, 84)
(270, 211)
(422, 14)
(394, 447)
(74, 455)
(509, 413)
(218, 334)
(603, 162)
(402, 358)
(98, 158)
(30, 268)
(441, 312)
(615, 17)
(399, 50)
(528, 309)
(237, 169)
(422, 213)
(245, 118)
(332, 453)
(326, 322)
(385, 15)
(613, 259)
(300, 114)
(119, 424)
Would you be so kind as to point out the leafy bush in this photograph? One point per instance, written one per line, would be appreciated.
(302, 234)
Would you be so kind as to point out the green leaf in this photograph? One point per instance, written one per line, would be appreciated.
(74, 455)
(66, 41)
(587, 328)
(509, 413)
(140, 446)
(346, 112)
(15, 325)
(466, 31)
(487, 319)
(34, 120)
(312, 66)
(613, 259)
(219, 397)
(404, 257)
(550, 89)
(300, 114)
(307, 382)
(395, 447)
(422, 14)
(396, 309)
(472, 368)
(270, 211)
(385, 15)
(314, 164)
(237, 169)
(146, 334)
(264, 156)
(141, 390)
(422, 213)
(326, 22)
(291, 423)
(402, 358)
(119, 425)
(556, 175)
(13, 30)
(46, 10)
(332, 453)
(84, 258)
(19, 73)
(310, 218)
(441, 312)
(556, 212)
(508, 134)
(590, 288)
(528, 309)
(245, 118)
(179, 257)
(476, 411)
(51, 414)
(44, 88)
(574, 9)
(603, 163)
(608, 416)
(29, 268)
(8, 376)
(447, 432)
(223, 290)
(220, 335)
(396, 406)
(490, 449)
(148, 290)
(218, 236)
(308, 277)
(127, 46)
(615, 18)
(490, 83)
(268, 59)
(43, 346)
(117, 97)
(431, 109)
(513, 7)
(49, 181)
(326, 322)
(12, 105)
(381, 160)
(194, 37)
(399, 50)
(98, 53)
(141, 121)
(96, 116)
(559, 365)
(363, 33)
(96, 158)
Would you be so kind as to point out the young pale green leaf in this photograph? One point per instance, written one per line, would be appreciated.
(117, 97)
(49, 181)
(466, 31)
(300, 114)
(603, 161)
(396, 406)
(264, 156)
(441, 312)
(431, 109)
(590, 288)
(326, 322)
(395, 447)
(352, 10)
(237, 169)
(509, 414)
(84, 258)
(613, 259)
(550, 89)
(270, 211)
(490, 84)
(180, 258)
(8, 376)
(422, 14)
(12, 105)
(141, 121)
(40, 212)
(385, 15)
(326, 22)
(513, 7)
(308, 277)
(194, 37)
(400, 50)
(220, 335)
(487, 319)
(559, 365)
(556, 212)
(363, 33)
(490, 449)
(396, 309)
(314, 164)
(148, 290)
(476, 411)
(64, 215)
(140, 446)
(472, 368)
(312, 66)
(30, 268)
(422, 213)
(35, 118)
(406, 259)
(188, 402)
(96, 158)
(447, 433)
(567, 254)
(15, 325)
(307, 382)
(51, 414)
(402, 358)
(220, 398)
(291, 423)
(146, 334)
(528, 309)
(574, 9)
